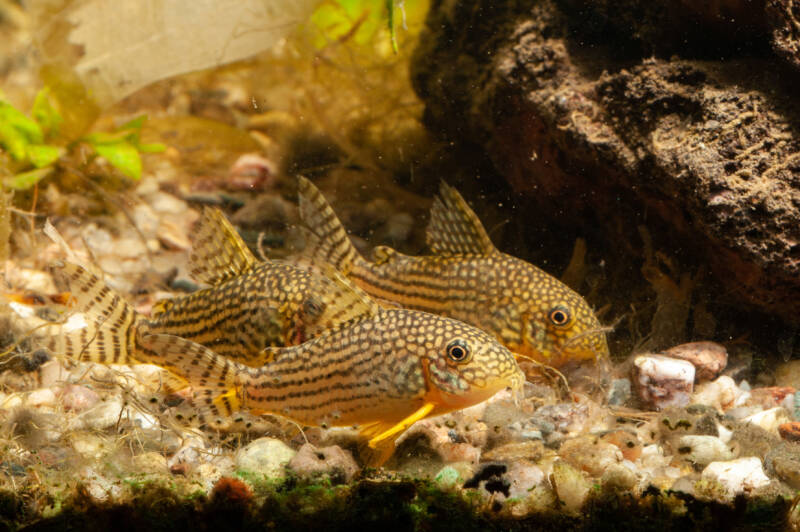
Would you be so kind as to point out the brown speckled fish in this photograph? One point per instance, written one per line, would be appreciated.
(250, 305)
(382, 372)
(466, 278)
(382, 369)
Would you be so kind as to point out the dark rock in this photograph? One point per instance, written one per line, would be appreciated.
(784, 20)
(704, 154)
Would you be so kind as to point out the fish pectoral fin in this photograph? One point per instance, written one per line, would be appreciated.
(454, 228)
(390, 430)
(218, 252)
(376, 456)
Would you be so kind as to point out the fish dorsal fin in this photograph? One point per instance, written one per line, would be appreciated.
(454, 229)
(330, 242)
(334, 300)
(218, 252)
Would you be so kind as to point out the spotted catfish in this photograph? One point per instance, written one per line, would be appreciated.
(249, 306)
(467, 278)
(381, 369)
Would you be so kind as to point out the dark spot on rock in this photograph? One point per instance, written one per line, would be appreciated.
(455, 437)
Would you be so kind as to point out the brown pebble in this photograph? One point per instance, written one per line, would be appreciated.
(790, 431)
(179, 469)
(770, 396)
(627, 441)
(708, 358)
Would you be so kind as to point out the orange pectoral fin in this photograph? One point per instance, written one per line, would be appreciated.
(426, 409)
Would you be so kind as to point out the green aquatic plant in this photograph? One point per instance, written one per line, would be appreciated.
(35, 144)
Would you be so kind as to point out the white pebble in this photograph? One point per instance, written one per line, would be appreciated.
(702, 450)
(737, 476)
(99, 417)
(721, 393)
(769, 420)
(663, 381)
(266, 456)
(523, 478)
(41, 397)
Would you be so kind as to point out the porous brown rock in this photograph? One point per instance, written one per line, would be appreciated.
(580, 108)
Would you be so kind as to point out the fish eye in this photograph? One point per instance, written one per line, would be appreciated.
(312, 307)
(458, 350)
(559, 316)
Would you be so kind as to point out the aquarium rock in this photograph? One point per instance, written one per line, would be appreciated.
(265, 456)
(701, 450)
(737, 476)
(331, 461)
(663, 381)
(708, 358)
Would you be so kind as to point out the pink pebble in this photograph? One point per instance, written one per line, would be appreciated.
(77, 397)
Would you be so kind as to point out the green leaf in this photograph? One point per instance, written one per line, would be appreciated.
(16, 119)
(26, 180)
(41, 155)
(45, 114)
(13, 141)
(154, 147)
(100, 138)
(123, 156)
(390, 8)
(136, 123)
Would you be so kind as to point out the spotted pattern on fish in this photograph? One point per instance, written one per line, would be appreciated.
(531, 312)
(252, 305)
(375, 373)
(380, 369)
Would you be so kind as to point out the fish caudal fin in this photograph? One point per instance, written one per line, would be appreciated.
(214, 378)
(454, 228)
(218, 252)
(329, 242)
(106, 333)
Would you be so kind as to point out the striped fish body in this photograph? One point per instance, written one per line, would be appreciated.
(272, 304)
(382, 369)
(248, 307)
(382, 373)
(531, 312)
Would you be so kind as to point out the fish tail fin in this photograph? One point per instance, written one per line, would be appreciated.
(329, 242)
(216, 380)
(107, 331)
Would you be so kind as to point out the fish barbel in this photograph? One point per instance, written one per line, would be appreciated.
(382, 370)
(467, 278)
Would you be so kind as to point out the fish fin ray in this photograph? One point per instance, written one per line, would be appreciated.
(375, 456)
(328, 241)
(337, 300)
(109, 326)
(389, 433)
(379, 436)
(214, 379)
(454, 228)
(218, 252)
